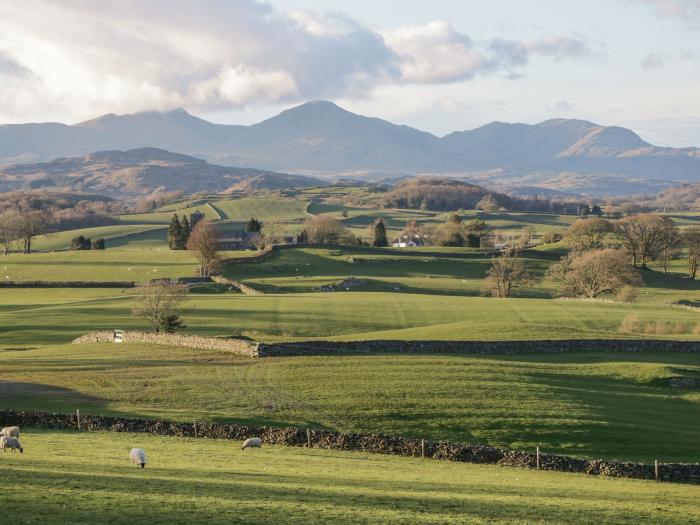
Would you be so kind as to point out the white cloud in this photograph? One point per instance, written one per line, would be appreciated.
(654, 60)
(562, 107)
(78, 59)
(688, 11)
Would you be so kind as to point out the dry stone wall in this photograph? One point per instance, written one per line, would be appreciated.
(236, 346)
(299, 437)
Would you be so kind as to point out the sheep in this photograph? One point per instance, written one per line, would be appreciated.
(138, 457)
(252, 443)
(10, 432)
(10, 442)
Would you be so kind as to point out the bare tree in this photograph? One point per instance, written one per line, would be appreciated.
(595, 272)
(10, 229)
(203, 245)
(507, 272)
(645, 237)
(670, 239)
(159, 303)
(33, 223)
(691, 242)
(324, 229)
(588, 234)
(273, 233)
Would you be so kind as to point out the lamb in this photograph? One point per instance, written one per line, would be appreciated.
(252, 443)
(10, 442)
(10, 432)
(138, 457)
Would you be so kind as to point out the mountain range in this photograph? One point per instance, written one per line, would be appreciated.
(321, 139)
(140, 172)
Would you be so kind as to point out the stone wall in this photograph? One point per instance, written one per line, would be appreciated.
(474, 347)
(67, 284)
(236, 346)
(324, 439)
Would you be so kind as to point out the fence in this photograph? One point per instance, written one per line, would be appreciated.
(325, 439)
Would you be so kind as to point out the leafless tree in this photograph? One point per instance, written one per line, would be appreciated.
(159, 304)
(691, 242)
(33, 223)
(594, 272)
(588, 234)
(203, 245)
(645, 237)
(507, 272)
(324, 229)
(10, 228)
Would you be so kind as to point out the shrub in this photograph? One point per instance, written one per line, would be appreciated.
(630, 324)
(627, 294)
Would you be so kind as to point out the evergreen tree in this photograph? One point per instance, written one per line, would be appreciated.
(253, 225)
(174, 233)
(380, 234)
(597, 210)
(184, 234)
(98, 244)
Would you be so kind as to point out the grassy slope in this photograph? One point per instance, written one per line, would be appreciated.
(67, 313)
(593, 405)
(86, 478)
(61, 240)
(262, 209)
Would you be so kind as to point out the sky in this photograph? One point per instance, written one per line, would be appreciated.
(439, 66)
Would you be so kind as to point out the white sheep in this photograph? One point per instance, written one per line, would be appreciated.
(10, 442)
(138, 457)
(10, 432)
(252, 443)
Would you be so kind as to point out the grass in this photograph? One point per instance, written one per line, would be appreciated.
(87, 478)
(112, 233)
(68, 313)
(264, 209)
(616, 406)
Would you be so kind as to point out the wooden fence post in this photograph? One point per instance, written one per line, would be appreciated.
(656, 469)
(422, 448)
(195, 429)
(308, 438)
(538, 458)
(77, 412)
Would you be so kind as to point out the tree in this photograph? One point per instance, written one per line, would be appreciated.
(185, 232)
(203, 245)
(645, 237)
(691, 242)
(174, 233)
(588, 234)
(507, 272)
(272, 233)
(596, 210)
(253, 225)
(98, 244)
(159, 304)
(380, 234)
(594, 272)
(324, 229)
(584, 210)
(670, 239)
(80, 243)
(33, 223)
(489, 204)
(10, 228)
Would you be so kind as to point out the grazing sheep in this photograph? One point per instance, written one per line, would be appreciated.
(252, 443)
(12, 432)
(138, 457)
(10, 442)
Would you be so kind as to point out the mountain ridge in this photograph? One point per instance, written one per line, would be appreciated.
(321, 138)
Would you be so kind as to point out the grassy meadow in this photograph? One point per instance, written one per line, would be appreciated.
(615, 406)
(87, 478)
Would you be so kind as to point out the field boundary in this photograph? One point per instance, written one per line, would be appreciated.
(67, 284)
(393, 346)
(373, 443)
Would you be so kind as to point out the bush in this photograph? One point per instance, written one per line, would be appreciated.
(627, 294)
(630, 324)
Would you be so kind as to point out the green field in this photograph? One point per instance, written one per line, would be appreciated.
(66, 477)
(616, 406)
(262, 209)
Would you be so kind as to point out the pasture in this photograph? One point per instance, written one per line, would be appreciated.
(614, 406)
(87, 478)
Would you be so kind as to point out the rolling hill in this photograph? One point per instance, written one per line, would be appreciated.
(142, 171)
(320, 138)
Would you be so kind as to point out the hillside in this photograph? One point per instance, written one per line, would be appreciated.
(140, 172)
(321, 138)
